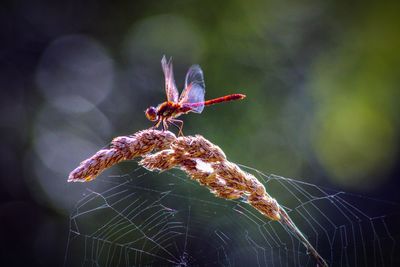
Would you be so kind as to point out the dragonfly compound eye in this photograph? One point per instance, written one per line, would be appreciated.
(151, 114)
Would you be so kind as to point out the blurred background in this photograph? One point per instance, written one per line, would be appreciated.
(322, 82)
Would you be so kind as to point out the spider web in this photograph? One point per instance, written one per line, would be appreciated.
(146, 219)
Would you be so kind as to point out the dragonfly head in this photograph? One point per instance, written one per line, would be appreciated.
(151, 114)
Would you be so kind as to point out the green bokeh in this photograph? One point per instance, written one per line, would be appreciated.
(356, 87)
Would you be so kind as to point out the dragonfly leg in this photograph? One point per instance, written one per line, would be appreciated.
(180, 127)
(165, 125)
(174, 124)
(155, 126)
(177, 126)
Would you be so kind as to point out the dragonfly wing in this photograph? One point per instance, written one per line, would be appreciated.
(170, 87)
(195, 75)
(194, 98)
(193, 94)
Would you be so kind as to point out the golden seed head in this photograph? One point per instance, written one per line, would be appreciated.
(196, 156)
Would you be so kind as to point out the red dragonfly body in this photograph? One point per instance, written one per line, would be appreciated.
(191, 99)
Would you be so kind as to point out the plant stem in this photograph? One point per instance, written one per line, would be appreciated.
(287, 221)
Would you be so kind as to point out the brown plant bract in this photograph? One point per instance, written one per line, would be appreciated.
(199, 159)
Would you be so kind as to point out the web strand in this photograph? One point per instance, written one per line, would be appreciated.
(228, 232)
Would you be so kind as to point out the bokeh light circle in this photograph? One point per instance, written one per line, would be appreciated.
(75, 73)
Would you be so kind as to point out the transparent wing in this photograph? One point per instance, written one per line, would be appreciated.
(193, 98)
(193, 94)
(194, 75)
(170, 87)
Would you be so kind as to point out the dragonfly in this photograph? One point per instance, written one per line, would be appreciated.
(190, 100)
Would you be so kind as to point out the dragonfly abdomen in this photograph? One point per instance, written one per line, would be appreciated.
(218, 100)
(224, 99)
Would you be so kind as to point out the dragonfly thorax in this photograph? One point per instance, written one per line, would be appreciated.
(168, 109)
